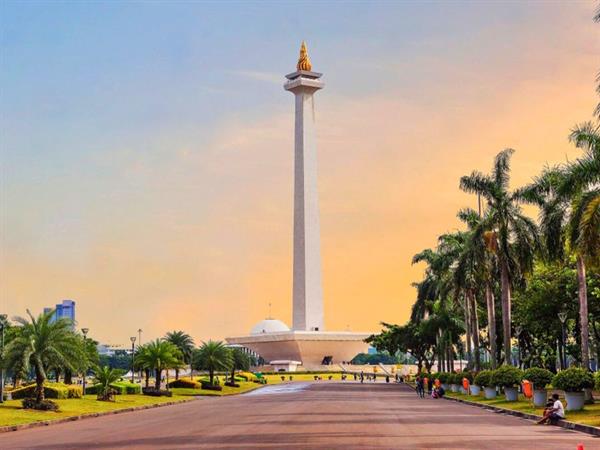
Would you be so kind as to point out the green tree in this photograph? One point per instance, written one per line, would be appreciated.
(184, 343)
(158, 355)
(239, 361)
(104, 377)
(513, 235)
(212, 356)
(43, 343)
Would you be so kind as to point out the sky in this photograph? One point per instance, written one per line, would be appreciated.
(146, 148)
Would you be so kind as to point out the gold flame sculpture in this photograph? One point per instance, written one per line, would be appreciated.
(304, 60)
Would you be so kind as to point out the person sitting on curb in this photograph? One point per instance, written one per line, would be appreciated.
(555, 413)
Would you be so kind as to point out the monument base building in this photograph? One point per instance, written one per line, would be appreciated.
(278, 345)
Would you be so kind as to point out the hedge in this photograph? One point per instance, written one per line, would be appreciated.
(483, 378)
(51, 390)
(184, 383)
(120, 387)
(538, 376)
(598, 381)
(574, 379)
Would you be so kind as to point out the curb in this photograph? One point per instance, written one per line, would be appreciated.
(594, 431)
(25, 426)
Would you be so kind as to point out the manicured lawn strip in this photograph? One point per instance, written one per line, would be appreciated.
(245, 386)
(11, 412)
(274, 379)
(589, 416)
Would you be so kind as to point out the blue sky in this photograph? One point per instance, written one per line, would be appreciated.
(152, 141)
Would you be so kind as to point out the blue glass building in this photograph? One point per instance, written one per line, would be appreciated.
(64, 310)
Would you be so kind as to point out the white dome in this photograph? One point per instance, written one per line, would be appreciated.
(269, 326)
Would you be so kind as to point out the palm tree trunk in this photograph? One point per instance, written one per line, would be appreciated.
(491, 312)
(583, 314)
(584, 322)
(40, 377)
(211, 375)
(177, 373)
(157, 373)
(506, 319)
(475, 322)
(147, 371)
(467, 329)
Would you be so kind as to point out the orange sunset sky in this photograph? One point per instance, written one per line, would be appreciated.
(147, 149)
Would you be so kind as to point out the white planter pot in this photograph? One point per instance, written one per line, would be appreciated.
(511, 394)
(575, 400)
(462, 390)
(475, 390)
(540, 397)
(490, 392)
(454, 387)
(446, 386)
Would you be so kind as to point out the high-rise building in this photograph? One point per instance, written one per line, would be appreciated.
(64, 310)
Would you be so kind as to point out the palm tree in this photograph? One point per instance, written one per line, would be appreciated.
(185, 344)
(212, 356)
(158, 355)
(513, 235)
(104, 377)
(44, 343)
(239, 361)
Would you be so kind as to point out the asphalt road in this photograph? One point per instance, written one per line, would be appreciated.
(323, 415)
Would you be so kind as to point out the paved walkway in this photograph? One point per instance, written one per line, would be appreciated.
(324, 415)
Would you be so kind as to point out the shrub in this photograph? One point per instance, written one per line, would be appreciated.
(153, 392)
(574, 379)
(507, 376)
(598, 381)
(230, 384)
(44, 405)
(443, 377)
(484, 378)
(455, 378)
(211, 387)
(51, 390)
(539, 377)
(184, 383)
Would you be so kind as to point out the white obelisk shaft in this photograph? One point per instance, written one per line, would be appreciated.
(307, 286)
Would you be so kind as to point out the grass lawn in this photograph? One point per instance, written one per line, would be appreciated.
(274, 379)
(11, 412)
(590, 415)
(245, 386)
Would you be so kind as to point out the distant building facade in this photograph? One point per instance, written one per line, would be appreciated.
(64, 310)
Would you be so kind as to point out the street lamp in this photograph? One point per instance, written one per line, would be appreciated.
(85, 332)
(132, 339)
(2, 325)
(562, 316)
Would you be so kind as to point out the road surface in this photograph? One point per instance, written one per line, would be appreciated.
(323, 415)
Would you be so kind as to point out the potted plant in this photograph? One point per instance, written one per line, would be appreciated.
(540, 378)
(573, 381)
(484, 379)
(508, 378)
(475, 388)
(443, 377)
(454, 380)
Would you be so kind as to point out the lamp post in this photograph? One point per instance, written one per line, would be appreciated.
(2, 324)
(85, 332)
(132, 339)
(562, 316)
